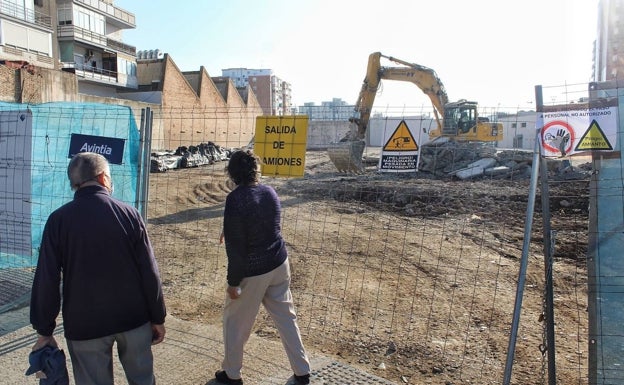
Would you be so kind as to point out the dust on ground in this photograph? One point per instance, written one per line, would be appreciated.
(433, 307)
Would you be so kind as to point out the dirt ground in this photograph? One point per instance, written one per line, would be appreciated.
(410, 277)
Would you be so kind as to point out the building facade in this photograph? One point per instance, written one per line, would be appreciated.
(72, 51)
(194, 107)
(609, 45)
(273, 93)
(83, 37)
(336, 109)
(89, 35)
(27, 33)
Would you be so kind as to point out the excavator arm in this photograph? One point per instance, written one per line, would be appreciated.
(458, 121)
(347, 156)
(423, 77)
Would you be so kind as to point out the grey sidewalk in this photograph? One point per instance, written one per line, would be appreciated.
(190, 354)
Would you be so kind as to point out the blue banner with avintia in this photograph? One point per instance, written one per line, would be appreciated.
(110, 148)
(35, 144)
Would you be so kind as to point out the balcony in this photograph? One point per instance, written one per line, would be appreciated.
(100, 75)
(77, 33)
(89, 72)
(115, 15)
(121, 47)
(28, 15)
(84, 35)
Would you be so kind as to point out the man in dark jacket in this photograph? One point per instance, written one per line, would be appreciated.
(111, 288)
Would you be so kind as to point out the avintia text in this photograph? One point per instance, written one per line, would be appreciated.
(102, 149)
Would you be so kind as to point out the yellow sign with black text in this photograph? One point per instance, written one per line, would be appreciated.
(594, 139)
(280, 142)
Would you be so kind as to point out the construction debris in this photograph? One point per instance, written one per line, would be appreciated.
(187, 157)
(465, 160)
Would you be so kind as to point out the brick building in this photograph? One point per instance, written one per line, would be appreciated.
(195, 107)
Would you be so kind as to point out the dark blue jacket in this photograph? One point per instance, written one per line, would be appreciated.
(253, 238)
(111, 282)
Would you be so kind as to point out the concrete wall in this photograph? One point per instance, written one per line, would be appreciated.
(150, 72)
(199, 111)
(9, 84)
(40, 86)
(519, 130)
(323, 132)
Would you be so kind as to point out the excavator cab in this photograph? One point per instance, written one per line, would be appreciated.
(462, 123)
(459, 118)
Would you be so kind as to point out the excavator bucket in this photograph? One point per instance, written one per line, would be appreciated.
(347, 156)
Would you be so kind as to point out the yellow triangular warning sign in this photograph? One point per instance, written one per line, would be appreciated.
(401, 139)
(593, 139)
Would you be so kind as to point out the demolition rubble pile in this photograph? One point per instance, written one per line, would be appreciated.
(478, 160)
(187, 157)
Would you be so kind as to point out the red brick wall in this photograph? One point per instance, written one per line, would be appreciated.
(191, 117)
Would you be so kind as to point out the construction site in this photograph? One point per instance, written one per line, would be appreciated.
(451, 244)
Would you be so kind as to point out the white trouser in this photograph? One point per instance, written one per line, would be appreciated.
(273, 291)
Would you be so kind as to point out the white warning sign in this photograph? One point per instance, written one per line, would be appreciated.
(570, 129)
(400, 152)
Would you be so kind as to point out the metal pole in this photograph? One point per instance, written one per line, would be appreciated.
(549, 250)
(523, 262)
(139, 181)
(149, 121)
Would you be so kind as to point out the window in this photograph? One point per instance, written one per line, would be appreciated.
(523, 125)
(89, 20)
(514, 125)
(64, 16)
(19, 8)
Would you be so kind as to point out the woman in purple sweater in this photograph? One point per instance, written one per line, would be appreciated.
(258, 271)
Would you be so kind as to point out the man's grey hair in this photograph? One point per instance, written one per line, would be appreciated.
(85, 167)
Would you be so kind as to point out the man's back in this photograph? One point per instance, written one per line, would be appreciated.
(102, 247)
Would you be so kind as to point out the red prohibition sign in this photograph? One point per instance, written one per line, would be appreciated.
(567, 128)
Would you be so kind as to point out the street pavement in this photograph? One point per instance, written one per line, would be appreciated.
(190, 354)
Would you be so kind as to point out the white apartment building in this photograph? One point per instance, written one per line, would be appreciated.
(91, 45)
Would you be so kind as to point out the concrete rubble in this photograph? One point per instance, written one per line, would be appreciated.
(481, 160)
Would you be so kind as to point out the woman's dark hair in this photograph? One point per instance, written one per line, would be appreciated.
(243, 167)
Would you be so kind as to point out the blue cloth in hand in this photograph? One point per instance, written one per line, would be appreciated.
(51, 361)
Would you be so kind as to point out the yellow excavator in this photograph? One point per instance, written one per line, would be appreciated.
(458, 121)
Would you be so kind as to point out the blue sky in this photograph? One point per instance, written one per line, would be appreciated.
(491, 51)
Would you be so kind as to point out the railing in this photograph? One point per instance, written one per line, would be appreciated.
(87, 71)
(111, 10)
(121, 47)
(79, 33)
(20, 12)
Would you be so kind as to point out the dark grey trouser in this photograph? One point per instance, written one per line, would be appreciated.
(92, 360)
